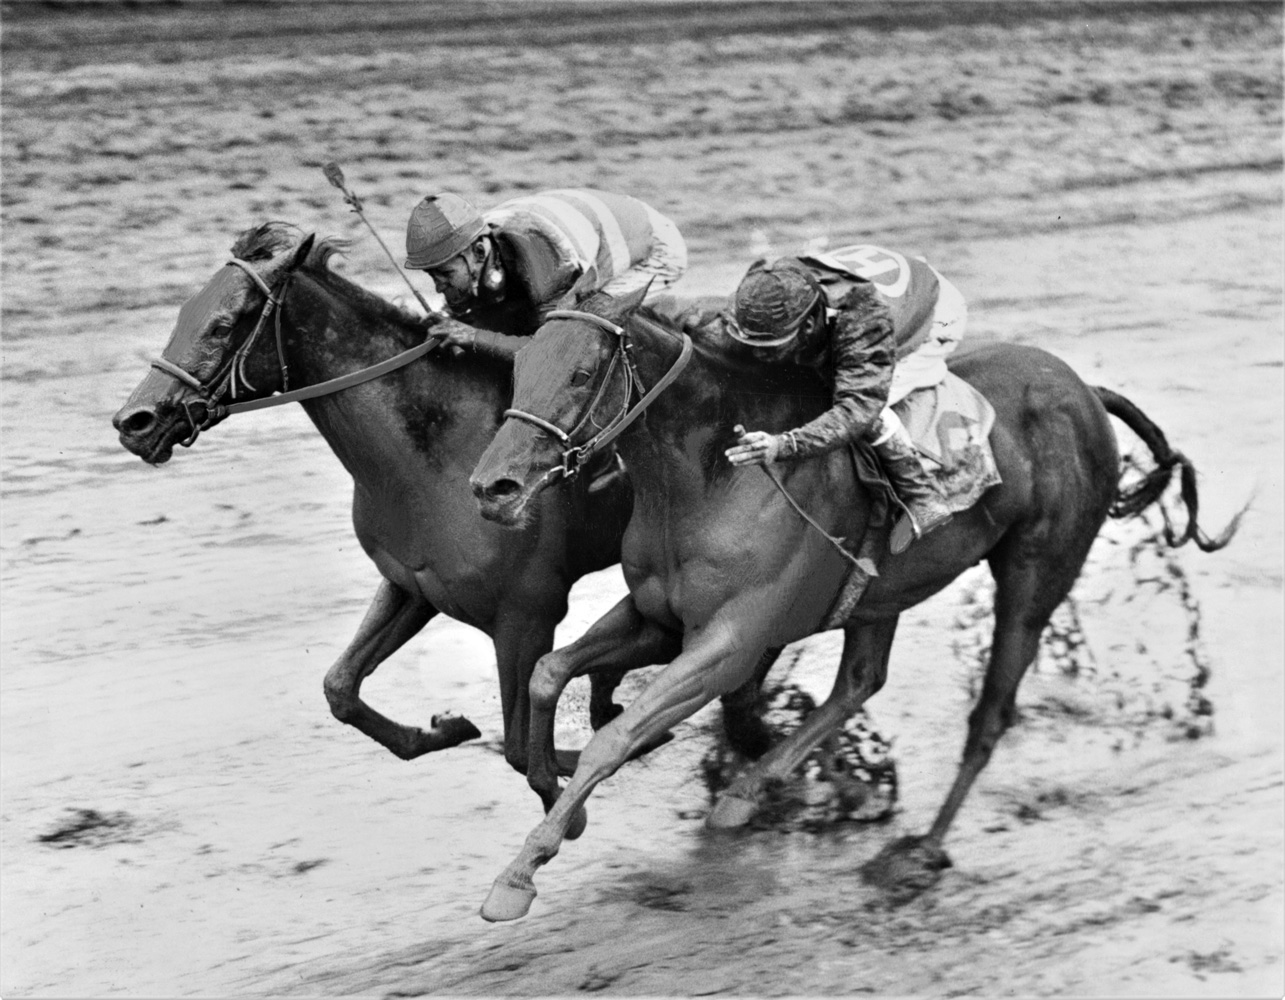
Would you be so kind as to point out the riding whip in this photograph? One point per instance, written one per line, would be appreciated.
(336, 177)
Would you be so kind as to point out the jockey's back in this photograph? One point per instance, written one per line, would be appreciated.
(908, 286)
(601, 233)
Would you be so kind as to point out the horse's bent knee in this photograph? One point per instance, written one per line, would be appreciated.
(341, 699)
(547, 680)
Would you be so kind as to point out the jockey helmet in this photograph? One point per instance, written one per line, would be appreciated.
(772, 302)
(441, 226)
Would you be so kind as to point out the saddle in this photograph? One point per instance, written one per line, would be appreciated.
(950, 424)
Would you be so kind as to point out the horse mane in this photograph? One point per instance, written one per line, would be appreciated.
(271, 239)
(265, 241)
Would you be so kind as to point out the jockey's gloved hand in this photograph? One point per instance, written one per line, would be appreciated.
(456, 336)
(754, 447)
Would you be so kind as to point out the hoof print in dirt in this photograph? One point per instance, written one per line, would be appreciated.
(851, 777)
(905, 868)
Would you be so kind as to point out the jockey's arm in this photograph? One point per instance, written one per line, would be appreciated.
(498, 345)
(486, 342)
(864, 352)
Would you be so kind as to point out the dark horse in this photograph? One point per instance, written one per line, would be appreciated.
(720, 566)
(409, 439)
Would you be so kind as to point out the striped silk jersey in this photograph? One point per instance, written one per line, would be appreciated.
(604, 234)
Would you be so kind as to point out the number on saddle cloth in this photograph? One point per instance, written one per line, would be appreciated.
(950, 425)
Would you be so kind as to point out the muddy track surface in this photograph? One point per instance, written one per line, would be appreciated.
(181, 815)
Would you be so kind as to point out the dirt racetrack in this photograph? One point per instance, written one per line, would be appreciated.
(181, 815)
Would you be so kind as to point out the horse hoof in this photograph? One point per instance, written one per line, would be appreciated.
(906, 867)
(453, 730)
(506, 902)
(730, 812)
(577, 825)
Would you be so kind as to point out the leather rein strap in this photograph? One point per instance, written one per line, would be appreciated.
(573, 456)
(227, 381)
(334, 384)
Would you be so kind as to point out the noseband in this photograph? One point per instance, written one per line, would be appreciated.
(225, 379)
(574, 456)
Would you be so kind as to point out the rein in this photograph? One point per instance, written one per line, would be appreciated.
(832, 539)
(574, 456)
(225, 380)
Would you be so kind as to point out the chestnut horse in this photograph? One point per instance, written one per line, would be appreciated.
(717, 556)
(409, 438)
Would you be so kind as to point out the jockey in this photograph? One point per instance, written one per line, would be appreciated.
(505, 270)
(879, 325)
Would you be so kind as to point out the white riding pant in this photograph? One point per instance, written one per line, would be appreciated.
(666, 263)
(925, 366)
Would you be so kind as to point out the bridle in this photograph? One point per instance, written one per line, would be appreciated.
(232, 372)
(225, 380)
(575, 455)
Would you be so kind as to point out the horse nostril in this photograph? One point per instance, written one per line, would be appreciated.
(136, 423)
(498, 490)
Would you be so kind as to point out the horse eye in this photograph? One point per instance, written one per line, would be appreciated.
(580, 376)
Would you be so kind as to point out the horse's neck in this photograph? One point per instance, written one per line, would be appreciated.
(384, 429)
(689, 426)
(669, 452)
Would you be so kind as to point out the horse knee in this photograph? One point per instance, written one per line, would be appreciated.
(547, 681)
(340, 696)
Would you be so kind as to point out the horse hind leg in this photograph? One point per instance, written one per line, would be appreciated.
(394, 617)
(863, 667)
(1027, 591)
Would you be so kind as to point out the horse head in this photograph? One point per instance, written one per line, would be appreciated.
(572, 387)
(225, 345)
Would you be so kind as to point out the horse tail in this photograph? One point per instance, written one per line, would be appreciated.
(1132, 500)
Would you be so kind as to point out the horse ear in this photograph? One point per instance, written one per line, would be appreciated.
(627, 303)
(301, 252)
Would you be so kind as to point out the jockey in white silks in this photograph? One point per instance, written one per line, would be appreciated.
(503, 271)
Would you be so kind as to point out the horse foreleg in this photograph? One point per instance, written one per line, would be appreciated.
(715, 661)
(394, 616)
(863, 668)
(743, 723)
(619, 641)
(520, 640)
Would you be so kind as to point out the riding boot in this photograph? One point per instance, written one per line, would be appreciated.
(925, 507)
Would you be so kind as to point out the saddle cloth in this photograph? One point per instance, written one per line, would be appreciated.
(950, 424)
